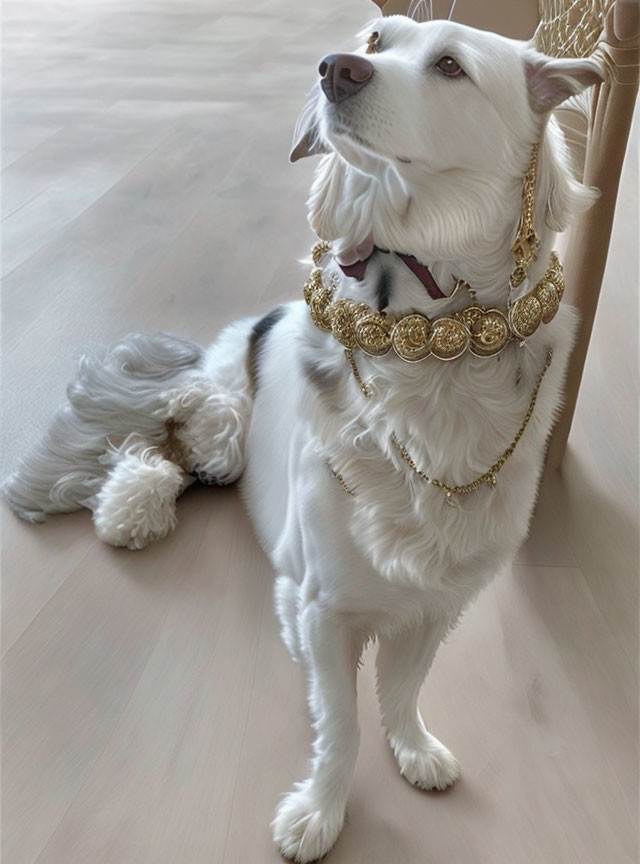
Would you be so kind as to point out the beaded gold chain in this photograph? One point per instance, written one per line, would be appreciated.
(489, 477)
(526, 245)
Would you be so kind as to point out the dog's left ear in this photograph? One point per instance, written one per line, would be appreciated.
(308, 145)
(552, 80)
(306, 137)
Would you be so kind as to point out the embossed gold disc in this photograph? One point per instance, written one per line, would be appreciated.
(549, 300)
(525, 316)
(449, 339)
(411, 338)
(343, 316)
(319, 302)
(489, 330)
(373, 334)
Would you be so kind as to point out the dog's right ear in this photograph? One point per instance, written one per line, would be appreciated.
(551, 80)
(307, 140)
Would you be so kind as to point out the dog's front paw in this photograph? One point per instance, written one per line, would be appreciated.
(430, 766)
(305, 828)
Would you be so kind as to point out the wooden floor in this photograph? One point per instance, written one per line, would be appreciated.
(150, 713)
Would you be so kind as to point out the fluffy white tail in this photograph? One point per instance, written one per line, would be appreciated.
(116, 392)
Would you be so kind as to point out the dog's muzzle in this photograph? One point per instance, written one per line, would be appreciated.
(343, 75)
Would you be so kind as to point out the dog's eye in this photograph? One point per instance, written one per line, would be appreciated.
(449, 67)
(373, 43)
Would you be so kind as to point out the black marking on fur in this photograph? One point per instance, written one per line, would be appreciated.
(319, 374)
(383, 288)
(256, 340)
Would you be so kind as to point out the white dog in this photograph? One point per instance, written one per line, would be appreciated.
(387, 486)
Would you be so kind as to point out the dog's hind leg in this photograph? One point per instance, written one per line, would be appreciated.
(402, 665)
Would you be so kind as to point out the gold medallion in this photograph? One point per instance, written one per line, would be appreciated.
(525, 316)
(343, 315)
(411, 338)
(319, 302)
(489, 331)
(449, 339)
(373, 334)
(549, 300)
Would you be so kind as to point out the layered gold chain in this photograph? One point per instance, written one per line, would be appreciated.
(490, 476)
(476, 330)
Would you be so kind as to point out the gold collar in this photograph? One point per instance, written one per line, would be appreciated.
(413, 337)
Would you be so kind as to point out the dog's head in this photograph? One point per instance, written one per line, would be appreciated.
(437, 115)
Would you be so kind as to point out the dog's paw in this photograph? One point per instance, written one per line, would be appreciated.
(303, 828)
(431, 766)
(205, 478)
(137, 502)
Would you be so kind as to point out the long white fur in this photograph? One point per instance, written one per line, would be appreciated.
(395, 561)
(105, 449)
(116, 392)
(422, 165)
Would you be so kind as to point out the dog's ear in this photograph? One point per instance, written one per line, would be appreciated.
(552, 80)
(310, 144)
(307, 140)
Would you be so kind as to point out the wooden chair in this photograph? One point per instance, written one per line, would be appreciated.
(611, 30)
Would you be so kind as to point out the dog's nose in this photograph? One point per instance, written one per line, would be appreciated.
(343, 75)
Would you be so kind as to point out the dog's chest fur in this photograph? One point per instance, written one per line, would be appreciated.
(455, 419)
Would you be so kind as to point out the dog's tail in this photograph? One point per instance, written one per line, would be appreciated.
(117, 392)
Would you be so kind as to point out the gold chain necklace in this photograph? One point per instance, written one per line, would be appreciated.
(489, 477)
(482, 332)
(474, 329)
(414, 337)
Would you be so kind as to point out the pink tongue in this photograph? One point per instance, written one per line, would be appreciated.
(355, 271)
